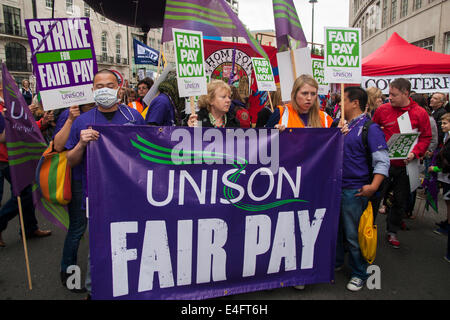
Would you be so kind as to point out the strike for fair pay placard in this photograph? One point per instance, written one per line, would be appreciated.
(189, 58)
(63, 59)
(342, 55)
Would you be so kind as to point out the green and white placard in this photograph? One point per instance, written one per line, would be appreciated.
(189, 57)
(264, 75)
(342, 55)
(401, 144)
(318, 74)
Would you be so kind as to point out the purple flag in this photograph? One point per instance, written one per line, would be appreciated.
(212, 17)
(24, 139)
(288, 28)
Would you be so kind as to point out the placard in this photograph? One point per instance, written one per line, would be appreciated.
(189, 57)
(63, 59)
(342, 55)
(263, 74)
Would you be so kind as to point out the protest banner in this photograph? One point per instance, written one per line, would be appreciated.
(318, 74)
(189, 217)
(63, 59)
(263, 74)
(420, 83)
(342, 58)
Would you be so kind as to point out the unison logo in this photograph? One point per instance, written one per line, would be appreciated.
(235, 147)
(71, 94)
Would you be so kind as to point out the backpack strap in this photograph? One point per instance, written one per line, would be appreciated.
(365, 141)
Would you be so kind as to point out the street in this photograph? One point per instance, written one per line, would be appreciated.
(416, 271)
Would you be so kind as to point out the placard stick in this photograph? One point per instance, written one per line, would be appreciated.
(294, 70)
(342, 101)
(191, 100)
(270, 101)
(24, 242)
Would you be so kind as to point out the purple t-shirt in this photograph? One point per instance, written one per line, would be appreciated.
(124, 116)
(161, 111)
(355, 170)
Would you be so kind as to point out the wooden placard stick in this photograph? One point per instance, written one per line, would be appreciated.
(24, 239)
(270, 101)
(192, 103)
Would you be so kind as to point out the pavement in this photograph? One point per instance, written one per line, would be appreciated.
(415, 271)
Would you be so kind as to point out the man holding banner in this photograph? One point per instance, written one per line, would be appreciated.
(107, 111)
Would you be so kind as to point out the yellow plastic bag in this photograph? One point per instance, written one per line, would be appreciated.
(367, 234)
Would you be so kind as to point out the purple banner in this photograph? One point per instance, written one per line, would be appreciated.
(63, 59)
(184, 213)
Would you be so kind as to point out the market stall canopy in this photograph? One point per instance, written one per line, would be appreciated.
(135, 13)
(398, 57)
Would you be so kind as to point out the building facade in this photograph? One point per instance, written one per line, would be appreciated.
(423, 23)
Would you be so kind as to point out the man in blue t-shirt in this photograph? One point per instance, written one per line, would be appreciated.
(107, 111)
(359, 181)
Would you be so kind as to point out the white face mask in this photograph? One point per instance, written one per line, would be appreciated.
(106, 97)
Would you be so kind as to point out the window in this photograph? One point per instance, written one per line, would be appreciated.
(404, 8)
(48, 4)
(87, 11)
(12, 20)
(393, 10)
(355, 6)
(104, 46)
(102, 18)
(417, 4)
(384, 16)
(447, 43)
(118, 39)
(69, 6)
(16, 57)
(425, 43)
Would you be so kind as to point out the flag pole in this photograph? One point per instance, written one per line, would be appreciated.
(24, 242)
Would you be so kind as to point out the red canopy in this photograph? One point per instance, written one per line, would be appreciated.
(398, 57)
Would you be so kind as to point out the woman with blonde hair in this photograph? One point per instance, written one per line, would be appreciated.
(303, 110)
(214, 108)
(374, 99)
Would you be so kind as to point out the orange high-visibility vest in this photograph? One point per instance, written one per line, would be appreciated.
(290, 118)
(136, 105)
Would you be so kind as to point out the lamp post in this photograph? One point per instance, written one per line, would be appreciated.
(312, 31)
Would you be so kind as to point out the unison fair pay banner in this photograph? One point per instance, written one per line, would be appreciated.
(342, 55)
(63, 59)
(196, 213)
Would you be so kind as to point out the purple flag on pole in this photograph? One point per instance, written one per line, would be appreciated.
(24, 139)
(212, 17)
(288, 28)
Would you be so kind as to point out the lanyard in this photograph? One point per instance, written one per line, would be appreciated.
(129, 121)
(361, 117)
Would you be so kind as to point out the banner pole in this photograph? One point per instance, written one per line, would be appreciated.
(342, 101)
(24, 243)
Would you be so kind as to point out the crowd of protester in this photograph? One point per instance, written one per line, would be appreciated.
(368, 174)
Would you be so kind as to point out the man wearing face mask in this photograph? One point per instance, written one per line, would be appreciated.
(108, 110)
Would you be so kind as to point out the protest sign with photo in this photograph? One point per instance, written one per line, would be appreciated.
(63, 59)
(318, 74)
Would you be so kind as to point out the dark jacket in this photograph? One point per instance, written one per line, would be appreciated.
(437, 114)
(203, 117)
(443, 158)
